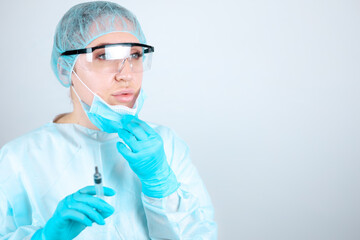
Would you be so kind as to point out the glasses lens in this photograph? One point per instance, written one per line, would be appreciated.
(116, 58)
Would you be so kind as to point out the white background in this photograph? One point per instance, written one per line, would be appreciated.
(265, 93)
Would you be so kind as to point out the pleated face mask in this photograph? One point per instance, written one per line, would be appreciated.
(109, 118)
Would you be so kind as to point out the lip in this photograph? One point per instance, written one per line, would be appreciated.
(124, 96)
(124, 91)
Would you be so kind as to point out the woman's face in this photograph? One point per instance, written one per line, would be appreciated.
(121, 88)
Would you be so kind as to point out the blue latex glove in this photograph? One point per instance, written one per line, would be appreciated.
(146, 157)
(74, 213)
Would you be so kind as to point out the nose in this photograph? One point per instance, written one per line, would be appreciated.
(124, 71)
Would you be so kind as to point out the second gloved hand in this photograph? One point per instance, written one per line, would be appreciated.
(74, 213)
(146, 157)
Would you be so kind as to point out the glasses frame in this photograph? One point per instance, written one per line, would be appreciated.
(148, 48)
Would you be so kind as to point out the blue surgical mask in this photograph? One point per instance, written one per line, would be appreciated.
(109, 118)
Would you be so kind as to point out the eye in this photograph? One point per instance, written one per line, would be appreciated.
(101, 56)
(136, 55)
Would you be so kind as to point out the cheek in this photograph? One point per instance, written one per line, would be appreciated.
(138, 80)
(96, 82)
(90, 80)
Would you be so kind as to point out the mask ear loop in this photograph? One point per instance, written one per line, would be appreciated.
(73, 88)
(77, 95)
(83, 82)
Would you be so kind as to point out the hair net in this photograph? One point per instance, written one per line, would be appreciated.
(81, 25)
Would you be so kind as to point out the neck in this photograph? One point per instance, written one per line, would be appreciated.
(78, 115)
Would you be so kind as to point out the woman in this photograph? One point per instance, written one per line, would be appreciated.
(46, 177)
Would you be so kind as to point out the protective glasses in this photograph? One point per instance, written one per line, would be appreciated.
(112, 58)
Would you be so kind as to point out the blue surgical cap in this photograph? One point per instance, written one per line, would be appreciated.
(82, 24)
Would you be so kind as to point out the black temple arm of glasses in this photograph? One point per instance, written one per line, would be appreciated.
(148, 48)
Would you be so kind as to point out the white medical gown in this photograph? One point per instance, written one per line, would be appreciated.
(42, 167)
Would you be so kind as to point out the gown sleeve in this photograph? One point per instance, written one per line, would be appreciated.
(187, 213)
(15, 209)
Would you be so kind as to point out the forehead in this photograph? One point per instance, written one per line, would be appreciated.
(114, 37)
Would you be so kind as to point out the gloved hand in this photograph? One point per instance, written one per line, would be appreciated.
(146, 157)
(74, 213)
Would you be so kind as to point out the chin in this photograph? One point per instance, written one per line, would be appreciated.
(129, 105)
(114, 101)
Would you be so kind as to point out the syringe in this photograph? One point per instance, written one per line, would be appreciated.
(98, 184)
(100, 193)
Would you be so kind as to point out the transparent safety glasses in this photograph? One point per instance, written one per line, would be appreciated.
(113, 58)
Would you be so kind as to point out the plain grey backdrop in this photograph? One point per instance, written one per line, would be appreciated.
(265, 93)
